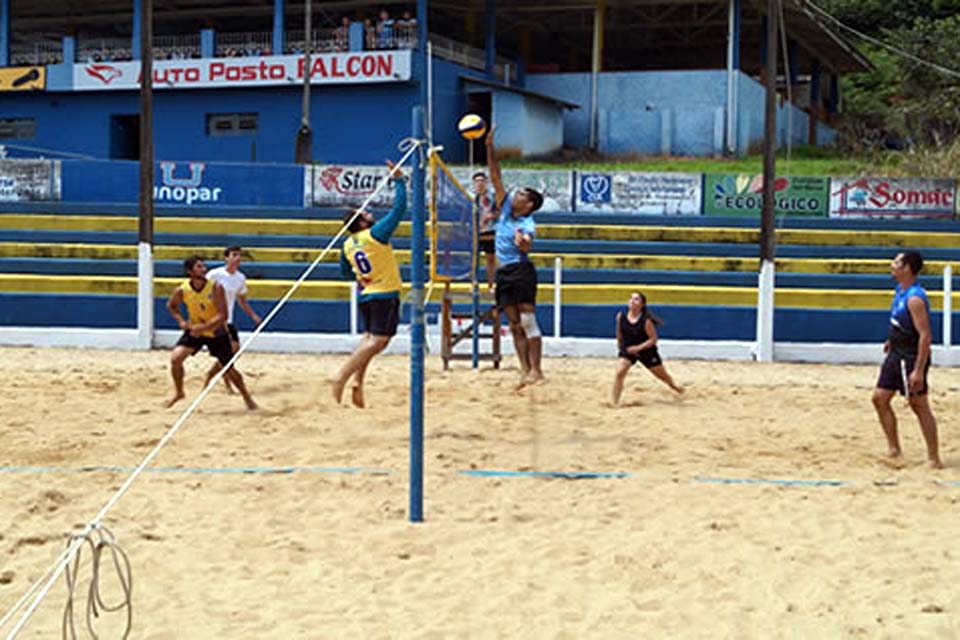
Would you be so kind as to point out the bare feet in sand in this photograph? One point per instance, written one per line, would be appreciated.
(356, 394)
(177, 397)
(336, 387)
(935, 463)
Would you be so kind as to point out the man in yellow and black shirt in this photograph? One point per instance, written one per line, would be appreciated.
(205, 326)
(368, 256)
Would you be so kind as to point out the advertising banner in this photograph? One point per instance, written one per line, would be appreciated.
(893, 197)
(23, 78)
(29, 180)
(189, 184)
(350, 185)
(223, 73)
(643, 193)
(742, 194)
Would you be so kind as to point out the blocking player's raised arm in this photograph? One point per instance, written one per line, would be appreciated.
(496, 177)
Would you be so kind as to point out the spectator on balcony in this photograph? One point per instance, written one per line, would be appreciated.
(341, 35)
(385, 31)
(370, 34)
(406, 28)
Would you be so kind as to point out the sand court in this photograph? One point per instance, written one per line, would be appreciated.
(682, 546)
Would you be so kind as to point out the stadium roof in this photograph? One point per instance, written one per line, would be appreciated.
(638, 34)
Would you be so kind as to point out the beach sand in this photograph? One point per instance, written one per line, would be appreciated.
(661, 553)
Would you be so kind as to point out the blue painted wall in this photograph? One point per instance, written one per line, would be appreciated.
(352, 124)
(679, 112)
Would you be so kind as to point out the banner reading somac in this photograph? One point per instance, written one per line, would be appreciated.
(222, 73)
(892, 197)
(733, 195)
(29, 180)
(645, 193)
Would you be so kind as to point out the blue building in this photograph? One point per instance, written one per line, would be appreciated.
(671, 77)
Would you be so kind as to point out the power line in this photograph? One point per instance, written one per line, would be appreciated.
(889, 47)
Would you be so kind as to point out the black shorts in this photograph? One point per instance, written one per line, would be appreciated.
(516, 284)
(487, 243)
(232, 330)
(649, 358)
(891, 373)
(381, 316)
(219, 345)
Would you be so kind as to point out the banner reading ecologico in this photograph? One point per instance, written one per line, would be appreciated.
(892, 197)
(644, 193)
(29, 180)
(335, 185)
(742, 194)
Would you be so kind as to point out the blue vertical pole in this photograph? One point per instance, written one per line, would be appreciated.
(135, 50)
(208, 43)
(4, 33)
(69, 49)
(490, 47)
(833, 105)
(417, 275)
(278, 29)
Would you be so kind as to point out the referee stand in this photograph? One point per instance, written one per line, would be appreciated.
(458, 325)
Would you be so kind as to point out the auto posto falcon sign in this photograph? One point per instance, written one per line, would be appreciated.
(328, 68)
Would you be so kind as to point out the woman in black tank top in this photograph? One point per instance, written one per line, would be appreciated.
(637, 340)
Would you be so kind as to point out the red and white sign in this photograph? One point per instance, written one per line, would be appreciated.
(327, 68)
(892, 197)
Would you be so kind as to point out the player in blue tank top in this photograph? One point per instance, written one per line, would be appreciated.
(908, 357)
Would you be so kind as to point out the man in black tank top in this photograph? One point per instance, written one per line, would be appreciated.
(637, 341)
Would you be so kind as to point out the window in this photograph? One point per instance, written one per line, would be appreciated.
(231, 124)
(18, 128)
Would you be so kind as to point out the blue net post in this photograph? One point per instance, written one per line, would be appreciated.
(417, 329)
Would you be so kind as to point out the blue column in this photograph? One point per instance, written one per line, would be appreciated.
(417, 276)
(278, 28)
(833, 106)
(4, 33)
(208, 43)
(135, 38)
(763, 42)
(490, 47)
(357, 36)
(69, 49)
(815, 87)
(794, 57)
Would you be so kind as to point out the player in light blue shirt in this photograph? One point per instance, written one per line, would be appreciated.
(516, 277)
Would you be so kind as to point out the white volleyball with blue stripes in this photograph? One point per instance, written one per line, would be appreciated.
(472, 126)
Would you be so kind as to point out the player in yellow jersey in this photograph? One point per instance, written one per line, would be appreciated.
(205, 326)
(368, 256)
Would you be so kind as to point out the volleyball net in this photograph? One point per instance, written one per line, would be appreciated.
(453, 228)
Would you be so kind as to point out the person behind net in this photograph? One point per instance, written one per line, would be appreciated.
(908, 358)
(516, 277)
(234, 284)
(637, 341)
(487, 232)
(368, 256)
(205, 326)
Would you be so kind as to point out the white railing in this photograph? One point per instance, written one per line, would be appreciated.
(470, 57)
(39, 53)
(104, 50)
(245, 44)
(177, 47)
(324, 41)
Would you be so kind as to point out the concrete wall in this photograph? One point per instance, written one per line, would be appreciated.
(666, 112)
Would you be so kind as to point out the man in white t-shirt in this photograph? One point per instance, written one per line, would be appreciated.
(234, 285)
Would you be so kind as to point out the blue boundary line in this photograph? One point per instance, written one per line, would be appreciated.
(950, 483)
(781, 483)
(196, 470)
(567, 475)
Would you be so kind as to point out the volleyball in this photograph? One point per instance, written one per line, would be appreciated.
(472, 126)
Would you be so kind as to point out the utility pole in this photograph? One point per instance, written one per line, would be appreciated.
(766, 281)
(304, 146)
(145, 234)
